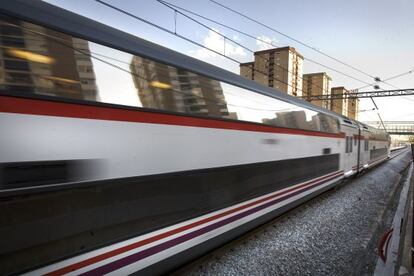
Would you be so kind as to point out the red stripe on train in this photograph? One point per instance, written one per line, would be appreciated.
(85, 111)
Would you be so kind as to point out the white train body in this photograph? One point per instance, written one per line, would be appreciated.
(98, 184)
(129, 149)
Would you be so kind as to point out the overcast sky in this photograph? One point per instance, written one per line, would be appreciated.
(375, 36)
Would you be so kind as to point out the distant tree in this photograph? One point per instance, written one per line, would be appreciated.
(411, 139)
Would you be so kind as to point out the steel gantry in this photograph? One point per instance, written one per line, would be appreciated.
(395, 127)
(366, 94)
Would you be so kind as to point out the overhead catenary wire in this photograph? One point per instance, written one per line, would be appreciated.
(233, 41)
(390, 78)
(174, 9)
(263, 41)
(298, 41)
(178, 35)
(256, 38)
(294, 39)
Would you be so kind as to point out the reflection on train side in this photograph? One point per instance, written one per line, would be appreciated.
(42, 61)
(37, 60)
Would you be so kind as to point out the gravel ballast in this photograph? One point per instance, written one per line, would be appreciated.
(334, 234)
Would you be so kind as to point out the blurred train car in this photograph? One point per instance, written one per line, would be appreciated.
(119, 155)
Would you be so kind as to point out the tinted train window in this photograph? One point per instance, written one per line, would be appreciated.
(41, 61)
(378, 135)
(346, 144)
(366, 144)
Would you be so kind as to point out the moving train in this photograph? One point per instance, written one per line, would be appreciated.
(121, 156)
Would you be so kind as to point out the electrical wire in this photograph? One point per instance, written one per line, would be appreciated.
(292, 38)
(178, 35)
(176, 8)
(235, 42)
(255, 38)
(390, 78)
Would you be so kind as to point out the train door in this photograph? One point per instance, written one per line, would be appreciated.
(354, 148)
(359, 152)
(350, 149)
(346, 156)
(364, 147)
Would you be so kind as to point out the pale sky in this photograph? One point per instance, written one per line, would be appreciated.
(376, 36)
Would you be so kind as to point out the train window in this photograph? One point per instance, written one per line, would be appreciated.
(366, 144)
(378, 135)
(41, 61)
(326, 151)
(346, 144)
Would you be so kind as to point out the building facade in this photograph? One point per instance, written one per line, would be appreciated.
(278, 68)
(317, 84)
(353, 107)
(347, 106)
(340, 106)
(247, 70)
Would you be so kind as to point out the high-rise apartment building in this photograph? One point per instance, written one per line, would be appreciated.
(340, 106)
(317, 84)
(165, 87)
(353, 107)
(347, 106)
(278, 68)
(247, 70)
